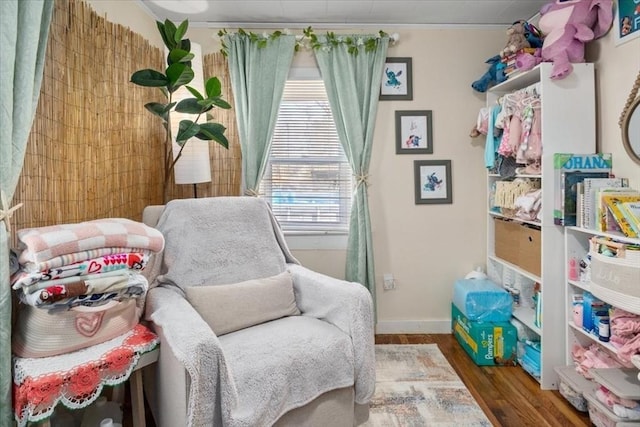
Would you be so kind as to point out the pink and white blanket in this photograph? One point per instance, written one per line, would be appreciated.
(44, 243)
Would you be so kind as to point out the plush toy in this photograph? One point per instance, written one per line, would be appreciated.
(526, 61)
(495, 74)
(517, 39)
(568, 25)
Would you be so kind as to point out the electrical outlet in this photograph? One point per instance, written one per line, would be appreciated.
(389, 282)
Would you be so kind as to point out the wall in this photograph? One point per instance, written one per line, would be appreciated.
(131, 15)
(427, 247)
(616, 70)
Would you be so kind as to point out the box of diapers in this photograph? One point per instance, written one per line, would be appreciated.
(482, 300)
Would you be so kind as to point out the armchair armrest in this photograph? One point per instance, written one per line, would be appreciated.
(197, 348)
(349, 307)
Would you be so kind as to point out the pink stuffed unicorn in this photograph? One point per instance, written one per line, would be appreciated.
(568, 25)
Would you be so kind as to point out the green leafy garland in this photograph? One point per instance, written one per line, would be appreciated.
(309, 38)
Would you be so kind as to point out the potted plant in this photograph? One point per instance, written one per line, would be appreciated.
(177, 74)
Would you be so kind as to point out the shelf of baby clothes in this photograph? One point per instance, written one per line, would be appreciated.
(616, 400)
(600, 341)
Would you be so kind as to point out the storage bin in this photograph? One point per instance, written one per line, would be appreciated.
(573, 386)
(518, 244)
(601, 416)
(43, 333)
(621, 272)
(616, 279)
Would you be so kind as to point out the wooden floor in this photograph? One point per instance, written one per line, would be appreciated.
(508, 395)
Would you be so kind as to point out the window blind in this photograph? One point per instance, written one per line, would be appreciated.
(308, 177)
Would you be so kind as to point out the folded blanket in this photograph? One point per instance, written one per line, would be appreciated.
(66, 259)
(44, 243)
(102, 264)
(38, 286)
(88, 292)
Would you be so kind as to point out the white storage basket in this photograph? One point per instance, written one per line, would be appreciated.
(616, 279)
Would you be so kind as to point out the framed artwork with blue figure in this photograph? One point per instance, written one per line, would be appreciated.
(432, 182)
(397, 79)
(414, 132)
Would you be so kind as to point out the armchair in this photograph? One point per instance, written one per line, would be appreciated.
(315, 368)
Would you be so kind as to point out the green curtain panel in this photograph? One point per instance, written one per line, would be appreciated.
(353, 82)
(24, 28)
(258, 69)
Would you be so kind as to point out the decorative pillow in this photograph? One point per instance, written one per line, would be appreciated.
(228, 308)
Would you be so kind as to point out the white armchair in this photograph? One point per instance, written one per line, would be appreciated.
(312, 369)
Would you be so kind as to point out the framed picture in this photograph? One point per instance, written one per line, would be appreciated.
(432, 181)
(627, 21)
(396, 80)
(414, 132)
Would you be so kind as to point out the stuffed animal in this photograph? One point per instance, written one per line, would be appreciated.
(526, 61)
(517, 39)
(495, 74)
(568, 25)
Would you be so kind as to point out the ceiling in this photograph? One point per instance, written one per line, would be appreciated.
(341, 13)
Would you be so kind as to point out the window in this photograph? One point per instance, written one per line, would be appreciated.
(308, 178)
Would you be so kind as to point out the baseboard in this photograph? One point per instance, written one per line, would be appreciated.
(414, 327)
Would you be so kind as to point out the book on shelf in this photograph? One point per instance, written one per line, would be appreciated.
(631, 211)
(602, 209)
(613, 218)
(580, 204)
(590, 186)
(569, 170)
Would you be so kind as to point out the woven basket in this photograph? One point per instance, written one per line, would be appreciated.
(41, 333)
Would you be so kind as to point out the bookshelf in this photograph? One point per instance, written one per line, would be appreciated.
(568, 126)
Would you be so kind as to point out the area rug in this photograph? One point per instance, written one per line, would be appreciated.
(417, 387)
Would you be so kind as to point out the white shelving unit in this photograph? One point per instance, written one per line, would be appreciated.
(577, 246)
(623, 382)
(568, 126)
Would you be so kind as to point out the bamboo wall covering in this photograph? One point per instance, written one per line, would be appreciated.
(94, 150)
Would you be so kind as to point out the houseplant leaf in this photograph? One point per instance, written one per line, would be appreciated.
(213, 87)
(180, 55)
(187, 129)
(159, 109)
(195, 92)
(168, 33)
(179, 74)
(189, 106)
(213, 132)
(181, 31)
(149, 78)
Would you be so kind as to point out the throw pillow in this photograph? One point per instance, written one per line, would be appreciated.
(228, 308)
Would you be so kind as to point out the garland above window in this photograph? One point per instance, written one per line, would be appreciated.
(309, 39)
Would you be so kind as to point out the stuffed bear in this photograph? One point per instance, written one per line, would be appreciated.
(495, 74)
(567, 26)
(517, 39)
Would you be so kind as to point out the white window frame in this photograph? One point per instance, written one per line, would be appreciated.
(310, 238)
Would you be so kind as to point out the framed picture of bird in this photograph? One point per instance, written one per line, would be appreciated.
(397, 79)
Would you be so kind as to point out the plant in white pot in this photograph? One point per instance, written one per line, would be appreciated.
(178, 74)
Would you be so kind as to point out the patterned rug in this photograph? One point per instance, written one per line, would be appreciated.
(417, 387)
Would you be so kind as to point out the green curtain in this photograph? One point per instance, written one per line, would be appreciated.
(352, 80)
(24, 28)
(258, 69)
